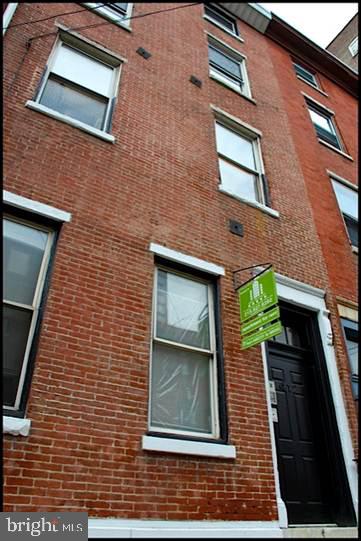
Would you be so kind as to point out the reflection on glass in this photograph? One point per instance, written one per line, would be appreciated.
(180, 390)
(22, 256)
(235, 147)
(75, 102)
(16, 324)
(182, 310)
(237, 181)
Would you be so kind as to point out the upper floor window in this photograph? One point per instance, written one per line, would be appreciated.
(240, 163)
(347, 199)
(324, 125)
(184, 386)
(26, 256)
(353, 47)
(221, 18)
(350, 329)
(306, 74)
(227, 66)
(116, 12)
(80, 83)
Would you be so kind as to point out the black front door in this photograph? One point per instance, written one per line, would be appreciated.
(309, 478)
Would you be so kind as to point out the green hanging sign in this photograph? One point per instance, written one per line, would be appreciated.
(259, 312)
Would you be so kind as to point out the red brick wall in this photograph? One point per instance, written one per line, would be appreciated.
(157, 183)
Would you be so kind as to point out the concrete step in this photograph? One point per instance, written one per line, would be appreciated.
(322, 532)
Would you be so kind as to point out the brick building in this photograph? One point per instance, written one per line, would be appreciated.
(147, 158)
(345, 44)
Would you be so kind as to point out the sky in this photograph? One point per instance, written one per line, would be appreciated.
(320, 22)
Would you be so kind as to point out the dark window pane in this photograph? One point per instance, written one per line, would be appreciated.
(118, 7)
(305, 74)
(220, 60)
(16, 325)
(74, 101)
(23, 253)
(352, 228)
(220, 18)
(327, 136)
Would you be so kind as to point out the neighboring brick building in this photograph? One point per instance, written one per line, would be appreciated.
(145, 160)
(345, 44)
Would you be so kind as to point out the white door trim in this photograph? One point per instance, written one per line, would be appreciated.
(312, 298)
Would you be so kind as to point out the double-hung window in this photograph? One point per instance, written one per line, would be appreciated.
(117, 12)
(324, 125)
(350, 329)
(227, 66)
(347, 199)
(184, 395)
(221, 18)
(240, 164)
(305, 74)
(26, 253)
(79, 84)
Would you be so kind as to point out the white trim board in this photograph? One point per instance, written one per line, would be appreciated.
(312, 298)
(16, 426)
(8, 15)
(35, 207)
(200, 448)
(185, 259)
(168, 529)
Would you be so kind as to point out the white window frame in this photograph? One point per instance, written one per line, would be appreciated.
(347, 184)
(226, 15)
(236, 56)
(34, 307)
(353, 47)
(322, 111)
(243, 131)
(347, 323)
(211, 353)
(99, 55)
(110, 14)
(315, 82)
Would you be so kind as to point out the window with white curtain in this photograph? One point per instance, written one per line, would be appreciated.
(80, 83)
(183, 397)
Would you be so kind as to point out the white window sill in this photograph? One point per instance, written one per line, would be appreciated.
(254, 204)
(16, 426)
(354, 249)
(71, 121)
(335, 149)
(223, 28)
(312, 86)
(185, 447)
(214, 76)
(103, 12)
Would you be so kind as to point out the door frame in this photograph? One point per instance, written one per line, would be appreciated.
(313, 299)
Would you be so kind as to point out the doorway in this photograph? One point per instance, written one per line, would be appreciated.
(311, 468)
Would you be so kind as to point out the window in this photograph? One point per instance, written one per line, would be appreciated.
(353, 47)
(347, 199)
(220, 18)
(305, 74)
(80, 83)
(116, 12)
(227, 66)
(25, 262)
(350, 329)
(184, 393)
(323, 123)
(240, 163)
